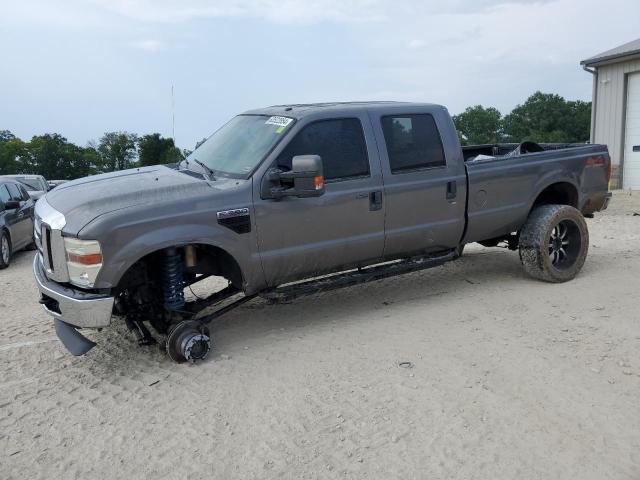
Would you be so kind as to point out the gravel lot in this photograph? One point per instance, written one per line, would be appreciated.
(511, 378)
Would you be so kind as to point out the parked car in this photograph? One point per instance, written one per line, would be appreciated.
(36, 185)
(16, 220)
(324, 196)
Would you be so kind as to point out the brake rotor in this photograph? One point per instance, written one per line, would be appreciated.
(188, 341)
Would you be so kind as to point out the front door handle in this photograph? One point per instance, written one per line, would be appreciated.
(452, 190)
(375, 201)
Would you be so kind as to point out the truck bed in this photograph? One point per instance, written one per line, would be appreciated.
(502, 189)
(500, 149)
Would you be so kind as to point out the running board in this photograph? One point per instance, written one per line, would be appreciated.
(218, 313)
(356, 277)
(196, 306)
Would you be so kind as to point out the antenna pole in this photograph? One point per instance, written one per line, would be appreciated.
(173, 116)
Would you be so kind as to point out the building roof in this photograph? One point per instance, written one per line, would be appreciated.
(630, 49)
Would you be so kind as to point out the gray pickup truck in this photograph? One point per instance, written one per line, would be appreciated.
(295, 199)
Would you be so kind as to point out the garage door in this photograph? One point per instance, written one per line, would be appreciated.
(631, 178)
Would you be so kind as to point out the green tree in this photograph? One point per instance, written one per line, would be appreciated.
(12, 153)
(478, 125)
(48, 155)
(52, 156)
(153, 149)
(6, 135)
(117, 150)
(547, 117)
(89, 162)
(578, 124)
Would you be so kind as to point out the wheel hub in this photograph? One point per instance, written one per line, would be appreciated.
(564, 244)
(5, 249)
(189, 341)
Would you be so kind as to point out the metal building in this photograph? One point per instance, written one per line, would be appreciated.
(615, 115)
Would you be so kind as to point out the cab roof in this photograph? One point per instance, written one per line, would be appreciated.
(299, 110)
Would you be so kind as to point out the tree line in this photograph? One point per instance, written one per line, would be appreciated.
(543, 117)
(54, 157)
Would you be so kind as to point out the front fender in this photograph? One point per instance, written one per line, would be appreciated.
(123, 245)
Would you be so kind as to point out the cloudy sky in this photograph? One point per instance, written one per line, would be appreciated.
(81, 68)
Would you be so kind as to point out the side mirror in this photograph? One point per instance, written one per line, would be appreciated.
(305, 179)
(12, 205)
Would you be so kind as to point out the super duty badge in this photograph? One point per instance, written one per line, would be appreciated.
(237, 219)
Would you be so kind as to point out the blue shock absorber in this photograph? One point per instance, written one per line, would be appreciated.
(173, 281)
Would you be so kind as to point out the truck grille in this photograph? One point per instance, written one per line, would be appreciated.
(46, 249)
(37, 233)
(49, 241)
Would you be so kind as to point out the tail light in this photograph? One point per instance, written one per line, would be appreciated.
(600, 160)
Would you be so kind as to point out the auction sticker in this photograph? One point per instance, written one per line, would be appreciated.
(279, 121)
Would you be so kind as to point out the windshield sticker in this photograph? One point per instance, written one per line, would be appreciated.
(281, 122)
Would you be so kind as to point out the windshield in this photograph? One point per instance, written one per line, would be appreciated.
(241, 144)
(31, 183)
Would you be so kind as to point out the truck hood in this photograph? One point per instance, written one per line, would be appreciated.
(85, 199)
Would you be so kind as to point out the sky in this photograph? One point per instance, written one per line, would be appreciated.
(81, 68)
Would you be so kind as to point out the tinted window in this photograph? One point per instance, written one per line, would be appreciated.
(25, 195)
(412, 142)
(339, 142)
(14, 191)
(4, 194)
(30, 183)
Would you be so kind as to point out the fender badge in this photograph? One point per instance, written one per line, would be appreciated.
(236, 212)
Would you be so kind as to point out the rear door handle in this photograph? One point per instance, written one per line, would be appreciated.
(452, 190)
(375, 201)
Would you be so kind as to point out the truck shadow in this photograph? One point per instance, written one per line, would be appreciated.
(476, 272)
(258, 324)
(251, 325)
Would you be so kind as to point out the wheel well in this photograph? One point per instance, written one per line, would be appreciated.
(210, 260)
(6, 230)
(561, 193)
(219, 262)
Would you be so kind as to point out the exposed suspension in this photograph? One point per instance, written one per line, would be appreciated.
(173, 279)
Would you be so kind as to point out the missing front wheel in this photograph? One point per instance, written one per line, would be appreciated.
(188, 341)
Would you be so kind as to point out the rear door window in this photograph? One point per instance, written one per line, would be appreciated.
(23, 191)
(14, 191)
(339, 142)
(4, 194)
(413, 142)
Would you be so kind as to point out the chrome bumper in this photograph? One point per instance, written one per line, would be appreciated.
(75, 307)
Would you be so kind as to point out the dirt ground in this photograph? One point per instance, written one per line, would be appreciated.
(511, 378)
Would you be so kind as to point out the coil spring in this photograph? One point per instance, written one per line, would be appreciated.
(173, 282)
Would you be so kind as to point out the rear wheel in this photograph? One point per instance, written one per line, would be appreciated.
(553, 243)
(5, 250)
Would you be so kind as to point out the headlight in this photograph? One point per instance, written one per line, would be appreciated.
(84, 260)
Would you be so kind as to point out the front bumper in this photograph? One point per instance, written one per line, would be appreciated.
(74, 307)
